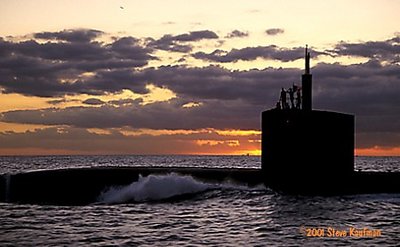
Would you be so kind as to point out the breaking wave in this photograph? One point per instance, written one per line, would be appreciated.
(162, 187)
(153, 188)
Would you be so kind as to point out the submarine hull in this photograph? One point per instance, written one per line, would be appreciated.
(82, 186)
(351, 184)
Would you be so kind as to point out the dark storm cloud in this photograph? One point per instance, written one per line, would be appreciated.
(237, 34)
(252, 53)
(275, 31)
(179, 43)
(72, 35)
(388, 50)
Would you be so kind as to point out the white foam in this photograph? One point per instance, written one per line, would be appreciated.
(154, 187)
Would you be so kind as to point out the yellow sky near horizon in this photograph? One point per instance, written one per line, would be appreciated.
(320, 21)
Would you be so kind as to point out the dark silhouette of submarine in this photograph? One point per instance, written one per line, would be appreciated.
(311, 152)
(304, 152)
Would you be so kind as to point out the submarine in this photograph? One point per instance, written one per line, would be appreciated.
(304, 152)
(83, 186)
(311, 152)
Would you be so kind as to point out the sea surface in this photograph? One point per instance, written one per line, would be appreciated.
(173, 210)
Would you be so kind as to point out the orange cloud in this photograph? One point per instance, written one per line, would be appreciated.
(69, 141)
(20, 128)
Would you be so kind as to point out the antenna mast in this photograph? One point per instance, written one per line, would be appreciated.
(307, 57)
(306, 84)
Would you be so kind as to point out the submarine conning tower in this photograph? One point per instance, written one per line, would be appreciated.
(304, 150)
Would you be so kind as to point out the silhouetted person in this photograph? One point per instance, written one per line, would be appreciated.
(298, 98)
(291, 97)
(278, 105)
(283, 98)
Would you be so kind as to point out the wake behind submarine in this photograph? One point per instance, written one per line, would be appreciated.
(304, 152)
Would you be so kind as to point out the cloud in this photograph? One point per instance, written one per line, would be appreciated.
(252, 53)
(234, 99)
(130, 48)
(178, 43)
(195, 36)
(70, 35)
(53, 51)
(125, 102)
(208, 82)
(93, 101)
(237, 34)
(228, 99)
(162, 115)
(78, 140)
(274, 31)
(60, 101)
(214, 82)
(125, 47)
(388, 50)
(55, 68)
(367, 90)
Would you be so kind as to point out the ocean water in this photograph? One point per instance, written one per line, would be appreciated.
(173, 210)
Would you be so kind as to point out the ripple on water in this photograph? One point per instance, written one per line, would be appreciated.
(224, 216)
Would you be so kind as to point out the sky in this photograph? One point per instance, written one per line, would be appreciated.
(189, 77)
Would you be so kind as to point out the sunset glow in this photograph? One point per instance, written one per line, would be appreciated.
(154, 77)
(376, 151)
